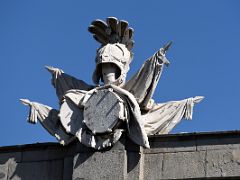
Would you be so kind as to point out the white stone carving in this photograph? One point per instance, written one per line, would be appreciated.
(98, 115)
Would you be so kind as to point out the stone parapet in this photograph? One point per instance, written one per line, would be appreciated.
(210, 155)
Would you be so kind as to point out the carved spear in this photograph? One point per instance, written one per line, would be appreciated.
(162, 52)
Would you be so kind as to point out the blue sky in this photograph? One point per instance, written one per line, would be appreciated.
(205, 56)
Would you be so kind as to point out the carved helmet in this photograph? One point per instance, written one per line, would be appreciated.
(116, 42)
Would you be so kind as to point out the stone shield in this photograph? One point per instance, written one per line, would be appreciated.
(103, 111)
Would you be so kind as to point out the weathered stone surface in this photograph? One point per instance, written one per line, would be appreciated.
(103, 110)
(3, 171)
(162, 144)
(171, 157)
(6, 160)
(135, 165)
(153, 166)
(68, 168)
(4, 157)
(183, 165)
(215, 144)
(223, 163)
(100, 165)
(46, 170)
(43, 155)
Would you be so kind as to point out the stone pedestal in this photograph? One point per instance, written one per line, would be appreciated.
(179, 156)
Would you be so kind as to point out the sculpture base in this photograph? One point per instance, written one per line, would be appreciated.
(177, 156)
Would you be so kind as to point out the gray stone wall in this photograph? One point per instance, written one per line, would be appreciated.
(213, 155)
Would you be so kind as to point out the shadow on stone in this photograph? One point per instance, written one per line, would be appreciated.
(82, 157)
(36, 170)
(133, 159)
(2, 175)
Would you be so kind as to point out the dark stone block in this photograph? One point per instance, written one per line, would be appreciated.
(46, 170)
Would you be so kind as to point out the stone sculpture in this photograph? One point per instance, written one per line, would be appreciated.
(98, 115)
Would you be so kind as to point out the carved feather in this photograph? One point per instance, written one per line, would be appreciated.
(125, 38)
(130, 44)
(112, 23)
(99, 34)
(101, 24)
(100, 39)
(124, 25)
(131, 31)
(112, 31)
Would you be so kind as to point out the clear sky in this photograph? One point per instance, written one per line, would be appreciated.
(205, 56)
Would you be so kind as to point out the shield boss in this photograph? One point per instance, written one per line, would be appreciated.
(103, 110)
